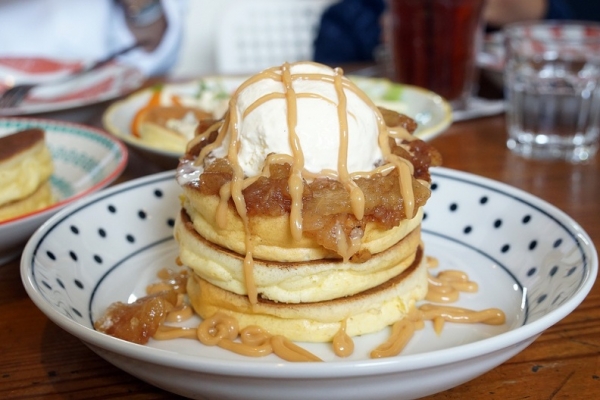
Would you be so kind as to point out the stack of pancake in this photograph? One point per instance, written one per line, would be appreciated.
(25, 169)
(301, 248)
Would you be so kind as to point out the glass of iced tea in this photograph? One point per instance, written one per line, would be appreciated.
(433, 44)
(552, 89)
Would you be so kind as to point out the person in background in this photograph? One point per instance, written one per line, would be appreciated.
(501, 12)
(351, 30)
(93, 29)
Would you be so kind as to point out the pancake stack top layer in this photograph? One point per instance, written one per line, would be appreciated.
(25, 167)
(312, 118)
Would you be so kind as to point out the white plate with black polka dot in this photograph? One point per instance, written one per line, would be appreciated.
(530, 260)
(85, 160)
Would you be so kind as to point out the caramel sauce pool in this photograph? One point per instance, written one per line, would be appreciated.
(223, 330)
(343, 345)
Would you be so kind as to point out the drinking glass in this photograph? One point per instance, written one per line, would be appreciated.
(433, 43)
(552, 91)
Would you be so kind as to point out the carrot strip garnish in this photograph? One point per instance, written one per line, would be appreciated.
(152, 102)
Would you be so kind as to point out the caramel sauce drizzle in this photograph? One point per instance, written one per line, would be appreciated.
(170, 280)
(223, 330)
(490, 316)
(216, 328)
(235, 189)
(180, 313)
(357, 197)
(289, 351)
(343, 345)
(403, 330)
(224, 127)
(295, 182)
(432, 262)
(166, 332)
(298, 173)
(446, 287)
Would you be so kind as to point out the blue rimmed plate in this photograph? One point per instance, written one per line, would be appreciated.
(85, 160)
(529, 258)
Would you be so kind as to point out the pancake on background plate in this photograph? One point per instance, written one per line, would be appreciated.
(170, 127)
(25, 169)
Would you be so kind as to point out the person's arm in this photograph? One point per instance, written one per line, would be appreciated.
(501, 12)
(146, 21)
(162, 40)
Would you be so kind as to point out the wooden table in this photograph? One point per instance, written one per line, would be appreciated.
(40, 360)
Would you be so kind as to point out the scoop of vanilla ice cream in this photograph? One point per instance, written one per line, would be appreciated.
(265, 129)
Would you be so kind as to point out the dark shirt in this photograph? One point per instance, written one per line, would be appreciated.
(584, 10)
(350, 30)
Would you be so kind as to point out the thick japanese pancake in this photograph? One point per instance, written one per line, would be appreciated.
(39, 199)
(271, 236)
(365, 312)
(170, 127)
(25, 165)
(292, 282)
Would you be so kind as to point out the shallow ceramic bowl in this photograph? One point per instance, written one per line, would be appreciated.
(85, 160)
(529, 259)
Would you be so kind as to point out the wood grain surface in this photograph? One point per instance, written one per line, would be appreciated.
(40, 360)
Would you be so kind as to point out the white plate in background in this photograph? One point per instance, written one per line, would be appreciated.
(118, 118)
(105, 83)
(432, 112)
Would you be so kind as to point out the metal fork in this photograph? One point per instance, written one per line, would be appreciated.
(15, 95)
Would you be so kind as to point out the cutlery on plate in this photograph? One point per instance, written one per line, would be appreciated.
(13, 96)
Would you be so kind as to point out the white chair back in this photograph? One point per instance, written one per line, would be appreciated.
(256, 34)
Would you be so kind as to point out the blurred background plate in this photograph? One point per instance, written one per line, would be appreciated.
(119, 116)
(108, 82)
(432, 112)
(85, 160)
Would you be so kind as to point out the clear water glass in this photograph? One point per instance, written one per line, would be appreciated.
(552, 89)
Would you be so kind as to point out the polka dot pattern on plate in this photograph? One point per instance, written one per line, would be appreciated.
(96, 244)
(538, 250)
(528, 238)
(528, 258)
